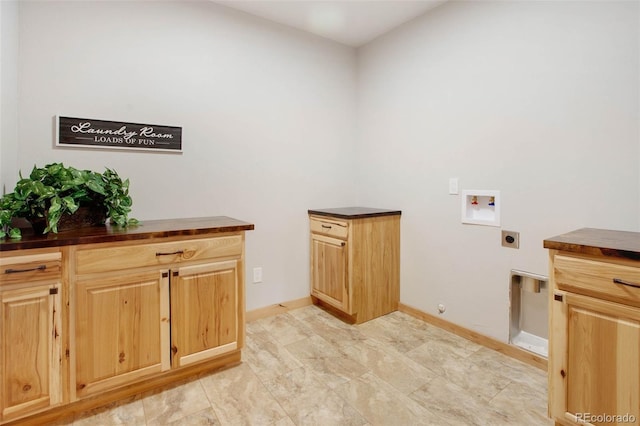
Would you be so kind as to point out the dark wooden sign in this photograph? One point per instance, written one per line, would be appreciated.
(87, 132)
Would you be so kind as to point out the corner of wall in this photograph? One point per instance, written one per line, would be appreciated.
(8, 94)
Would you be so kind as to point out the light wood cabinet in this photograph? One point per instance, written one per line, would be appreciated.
(109, 313)
(121, 330)
(355, 261)
(329, 271)
(30, 340)
(169, 304)
(204, 306)
(594, 329)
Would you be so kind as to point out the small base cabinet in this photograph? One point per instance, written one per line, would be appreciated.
(355, 261)
(594, 333)
(204, 319)
(121, 330)
(92, 322)
(30, 339)
(329, 271)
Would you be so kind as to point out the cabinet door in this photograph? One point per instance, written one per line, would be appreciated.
(30, 350)
(204, 311)
(122, 330)
(329, 271)
(595, 372)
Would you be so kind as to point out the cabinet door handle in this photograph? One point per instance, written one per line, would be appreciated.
(159, 253)
(326, 226)
(623, 282)
(16, 271)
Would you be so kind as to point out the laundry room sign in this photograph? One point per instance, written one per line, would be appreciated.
(90, 133)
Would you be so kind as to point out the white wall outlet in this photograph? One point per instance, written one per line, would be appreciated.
(453, 186)
(257, 275)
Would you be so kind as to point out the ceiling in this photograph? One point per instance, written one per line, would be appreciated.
(350, 22)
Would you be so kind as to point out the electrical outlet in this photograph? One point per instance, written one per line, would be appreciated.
(257, 275)
(511, 239)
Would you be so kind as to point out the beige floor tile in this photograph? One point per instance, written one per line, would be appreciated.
(313, 347)
(476, 381)
(305, 312)
(285, 328)
(205, 417)
(381, 404)
(254, 327)
(238, 397)
(333, 371)
(125, 414)
(457, 406)
(175, 403)
(437, 356)
(285, 422)
(334, 331)
(394, 368)
(390, 330)
(308, 401)
(510, 368)
(266, 357)
(523, 403)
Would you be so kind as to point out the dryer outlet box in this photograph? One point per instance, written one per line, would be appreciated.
(511, 239)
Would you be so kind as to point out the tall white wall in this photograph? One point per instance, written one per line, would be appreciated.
(8, 94)
(536, 99)
(266, 112)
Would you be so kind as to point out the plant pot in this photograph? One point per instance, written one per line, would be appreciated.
(83, 217)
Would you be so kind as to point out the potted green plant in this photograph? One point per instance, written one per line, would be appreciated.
(53, 196)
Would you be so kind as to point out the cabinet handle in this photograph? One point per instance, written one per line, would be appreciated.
(326, 226)
(15, 271)
(169, 254)
(623, 282)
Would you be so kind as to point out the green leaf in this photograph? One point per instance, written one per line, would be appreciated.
(96, 186)
(15, 233)
(55, 169)
(5, 217)
(56, 205)
(70, 204)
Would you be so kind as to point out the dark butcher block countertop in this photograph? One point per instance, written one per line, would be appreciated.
(354, 212)
(598, 242)
(144, 230)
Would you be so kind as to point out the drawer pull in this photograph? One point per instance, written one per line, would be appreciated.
(326, 226)
(16, 271)
(623, 282)
(159, 253)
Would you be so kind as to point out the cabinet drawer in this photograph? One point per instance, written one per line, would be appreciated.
(609, 281)
(141, 255)
(36, 267)
(332, 227)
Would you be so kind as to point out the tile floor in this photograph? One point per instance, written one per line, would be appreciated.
(306, 367)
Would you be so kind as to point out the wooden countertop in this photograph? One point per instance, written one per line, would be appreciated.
(144, 230)
(354, 212)
(598, 242)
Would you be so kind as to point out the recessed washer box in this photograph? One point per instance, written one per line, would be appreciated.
(481, 207)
